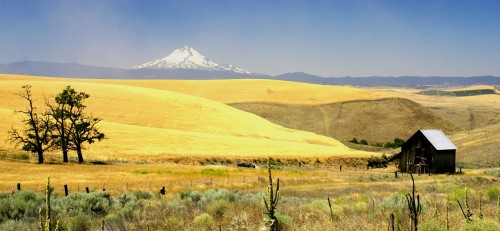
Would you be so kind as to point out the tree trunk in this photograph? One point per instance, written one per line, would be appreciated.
(40, 156)
(65, 156)
(79, 153)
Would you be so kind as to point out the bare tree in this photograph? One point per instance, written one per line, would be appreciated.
(36, 136)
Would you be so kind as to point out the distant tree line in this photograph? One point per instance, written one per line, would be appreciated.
(63, 125)
(395, 144)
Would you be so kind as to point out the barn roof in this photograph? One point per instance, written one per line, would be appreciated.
(438, 139)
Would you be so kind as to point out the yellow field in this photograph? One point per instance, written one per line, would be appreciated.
(259, 90)
(151, 123)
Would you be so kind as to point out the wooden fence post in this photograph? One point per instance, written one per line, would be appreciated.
(66, 190)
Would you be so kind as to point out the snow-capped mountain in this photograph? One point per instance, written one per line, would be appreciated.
(188, 58)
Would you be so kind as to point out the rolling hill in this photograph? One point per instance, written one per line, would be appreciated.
(147, 123)
(335, 111)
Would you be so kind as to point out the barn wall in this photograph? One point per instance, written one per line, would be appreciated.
(439, 161)
(444, 161)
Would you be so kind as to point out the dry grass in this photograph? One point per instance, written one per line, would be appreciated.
(377, 121)
(478, 116)
(150, 124)
(259, 90)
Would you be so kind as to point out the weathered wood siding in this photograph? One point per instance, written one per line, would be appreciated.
(419, 150)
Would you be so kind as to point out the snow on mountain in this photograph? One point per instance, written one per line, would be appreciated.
(188, 58)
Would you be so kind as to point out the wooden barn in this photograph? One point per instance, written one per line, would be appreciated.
(427, 151)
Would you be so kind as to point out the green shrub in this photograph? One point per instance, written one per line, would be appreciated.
(203, 222)
(94, 203)
(219, 194)
(431, 226)
(174, 223)
(394, 202)
(284, 221)
(20, 204)
(127, 204)
(361, 206)
(14, 225)
(190, 195)
(218, 208)
(21, 156)
(319, 205)
(80, 222)
(143, 195)
(458, 194)
(480, 225)
(493, 193)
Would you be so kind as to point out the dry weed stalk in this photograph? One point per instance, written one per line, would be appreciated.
(480, 206)
(498, 208)
(272, 199)
(414, 205)
(467, 212)
(447, 216)
(330, 205)
(47, 226)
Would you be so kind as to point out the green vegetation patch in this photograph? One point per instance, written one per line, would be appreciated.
(142, 171)
(459, 93)
(214, 172)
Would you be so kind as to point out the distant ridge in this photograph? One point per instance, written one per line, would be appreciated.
(390, 81)
(75, 70)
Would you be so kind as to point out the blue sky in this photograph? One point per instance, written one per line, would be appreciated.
(326, 38)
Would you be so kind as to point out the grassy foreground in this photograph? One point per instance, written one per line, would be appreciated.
(231, 198)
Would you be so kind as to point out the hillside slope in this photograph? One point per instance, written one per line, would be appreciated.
(334, 111)
(141, 121)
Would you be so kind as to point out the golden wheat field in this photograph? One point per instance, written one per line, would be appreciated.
(147, 123)
(259, 90)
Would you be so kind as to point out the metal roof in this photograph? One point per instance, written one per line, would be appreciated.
(438, 139)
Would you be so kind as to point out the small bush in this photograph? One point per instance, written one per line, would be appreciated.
(395, 202)
(174, 223)
(21, 156)
(481, 225)
(19, 205)
(319, 205)
(95, 203)
(218, 208)
(14, 225)
(143, 195)
(203, 222)
(80, 222)
(284, 221)
(219, 194)
(431, 226)
(493, 193)
(190, 195)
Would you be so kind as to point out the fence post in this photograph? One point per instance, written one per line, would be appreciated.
(66, 190)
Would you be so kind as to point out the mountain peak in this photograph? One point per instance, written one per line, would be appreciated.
(188, 58)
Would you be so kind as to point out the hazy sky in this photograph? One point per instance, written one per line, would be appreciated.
(326, 38)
